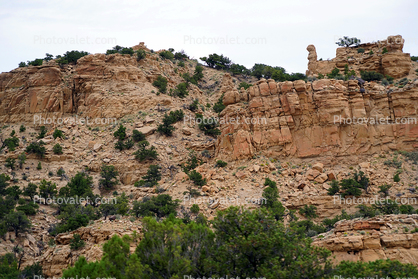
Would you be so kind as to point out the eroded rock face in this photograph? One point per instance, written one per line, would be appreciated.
(384, 237)
(394, 62)
(99, 85)
(313, 119)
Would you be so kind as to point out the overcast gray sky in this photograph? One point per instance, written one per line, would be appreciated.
(270, 32)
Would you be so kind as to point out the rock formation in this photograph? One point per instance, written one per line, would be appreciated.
(383, 237)
(393, 62)
(303, 119)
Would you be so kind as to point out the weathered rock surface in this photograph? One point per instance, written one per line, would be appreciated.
(394, 62)
(384, 237)
(313, 119)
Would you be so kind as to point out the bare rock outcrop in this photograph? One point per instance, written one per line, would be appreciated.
(385, 237)
(318, 119)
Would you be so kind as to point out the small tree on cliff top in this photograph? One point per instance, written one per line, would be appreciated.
(347, 42)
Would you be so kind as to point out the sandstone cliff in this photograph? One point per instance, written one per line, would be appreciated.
(297, 118)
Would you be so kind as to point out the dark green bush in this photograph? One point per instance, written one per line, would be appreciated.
(76, 242)
(159, 206)
(120, 50)
(181, 55)
(245, 85)
(152, 177)
(161, 84)
(145, 154)
(108, 180)
(360, 50)
(370, 76)
(167, 55)
(181, 90)
(309, 211)
(57, 149)
(36, 62)
(208, 125)
(58, 134)
(42, 132)
(137, 136)
(120, 133)
(216, 61)
(37, 148)
(219, 105)
(71, 56)
(140, 54)
(194, 105)
(220, 164)
(196, 178)
(11, 143)
(10, 163)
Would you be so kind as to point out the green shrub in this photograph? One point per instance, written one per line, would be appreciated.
(181, 55)
(71, 56)
(22, 128)
(140, 54)
(347, 41)
(194, 105)
(192, 163)
(21, 159)
(161, 84)
(57, 149)
(196, 178)
(219, 105)
(166, 127)
(159, 206)
(137, 136)
(17, 221)
(22, 64)
(120, 50)
(220, 164)
(47, 189)
(151, 178)
(396, 178)
(10, 163)
(370, 76)
(334, 189)
(208, 125)
(245, 85)
(39, 166)
(414, 58)
(80, 185)
(216, 61)
(167, 55)
(76, 242)
(181, 64)
(36, 62)
(120, 133)
(108, 180)
(194, 208)
(181, 90)
(145, 154)
(42, 132)
(360, 50)
(384, 189)
(58, 134)
(385, 50)
(31, 190)
(308, 211)
(11, 143)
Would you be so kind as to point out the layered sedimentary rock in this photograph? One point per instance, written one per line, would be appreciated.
(313, 119)
(384, 237)
(385, 57)
(99, 85)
